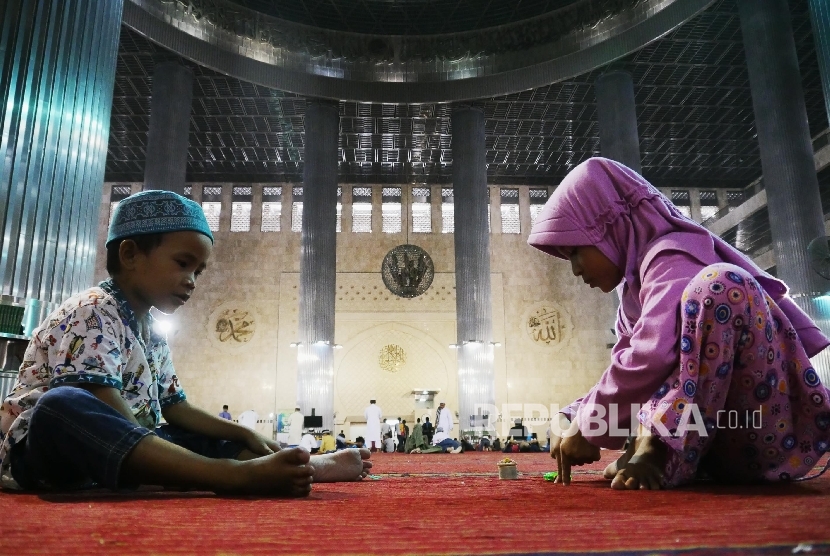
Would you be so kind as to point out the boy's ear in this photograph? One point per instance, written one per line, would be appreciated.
(127, 252)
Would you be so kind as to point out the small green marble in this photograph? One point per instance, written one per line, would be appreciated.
(551, 475)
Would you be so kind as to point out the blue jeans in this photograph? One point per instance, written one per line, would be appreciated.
(449, 444)
(77, 441)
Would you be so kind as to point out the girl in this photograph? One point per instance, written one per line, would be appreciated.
(703, 335)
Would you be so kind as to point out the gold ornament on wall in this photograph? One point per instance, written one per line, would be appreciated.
(546, 326)
(391, 357)
(407, 271)
(234, 326)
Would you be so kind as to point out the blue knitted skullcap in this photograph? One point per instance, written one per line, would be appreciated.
(156, 212)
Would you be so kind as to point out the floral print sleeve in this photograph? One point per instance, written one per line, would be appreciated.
(88, 346)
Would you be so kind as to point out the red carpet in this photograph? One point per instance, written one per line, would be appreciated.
(430, 504)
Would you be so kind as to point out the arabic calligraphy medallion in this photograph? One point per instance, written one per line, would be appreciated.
(391, 357)
(545, 325)
(234, 326)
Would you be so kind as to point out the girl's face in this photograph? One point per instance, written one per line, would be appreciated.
(594, 267)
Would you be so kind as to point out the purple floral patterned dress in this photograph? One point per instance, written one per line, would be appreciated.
(764, 412)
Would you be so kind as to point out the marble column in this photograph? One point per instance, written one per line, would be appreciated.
(820, 18)
(617, 116)
(57, 73)
(474, 328)
(617, 119)
(694, 204)
(167, 140)
(786, 154)
(315, 367)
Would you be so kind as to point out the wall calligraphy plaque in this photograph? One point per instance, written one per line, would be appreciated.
(547, 325)
(234, 325)
(391, 357)
(231, 326)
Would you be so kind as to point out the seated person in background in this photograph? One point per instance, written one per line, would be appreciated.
(497, 445)
(484, 444)
(534, 446)
(385, 429)
(308, 443)
(327, 443)
(510, 445)
(359, 442)
(466, 444)
(340, 441)
(518, 429)
(416, 440)
(389, 443)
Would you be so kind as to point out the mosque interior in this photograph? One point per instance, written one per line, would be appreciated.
(396, 73)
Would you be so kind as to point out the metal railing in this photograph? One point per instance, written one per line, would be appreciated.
(820, 140)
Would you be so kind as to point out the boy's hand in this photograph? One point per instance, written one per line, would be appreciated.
(572, 449)
(260, 445)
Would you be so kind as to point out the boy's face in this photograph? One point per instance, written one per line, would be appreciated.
(165, 277)
(594, 267)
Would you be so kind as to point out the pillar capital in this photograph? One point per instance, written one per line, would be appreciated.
(323, 104)
(614, 73)
(464, 107)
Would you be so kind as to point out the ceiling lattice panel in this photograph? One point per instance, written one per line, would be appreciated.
(694, 110)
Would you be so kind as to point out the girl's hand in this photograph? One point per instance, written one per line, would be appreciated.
(559, 427)
(572, 449)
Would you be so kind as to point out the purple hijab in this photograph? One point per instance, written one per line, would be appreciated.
(605, 204)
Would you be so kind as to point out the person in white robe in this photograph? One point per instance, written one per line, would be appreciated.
(295, 427)
(373, 415)
(443, 420)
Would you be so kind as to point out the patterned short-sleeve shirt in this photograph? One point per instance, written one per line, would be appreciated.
(93, 338)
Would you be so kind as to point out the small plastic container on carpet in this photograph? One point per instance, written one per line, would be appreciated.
(507, 469)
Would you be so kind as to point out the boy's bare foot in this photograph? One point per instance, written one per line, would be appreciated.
(344, 465)
(644, 470)
(284, 473)
(616, 466)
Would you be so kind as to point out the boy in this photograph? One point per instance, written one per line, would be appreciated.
(96, 379)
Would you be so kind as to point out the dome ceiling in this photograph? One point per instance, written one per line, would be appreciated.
(406, 50)
(694, 110)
